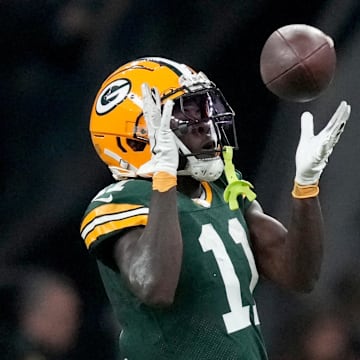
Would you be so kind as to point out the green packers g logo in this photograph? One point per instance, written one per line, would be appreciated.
(113, 94)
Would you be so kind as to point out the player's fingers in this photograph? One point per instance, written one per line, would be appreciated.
(156, 96)
(307, 125)
(166, 115)
(146, 99)
(339, 123)
(337, 127)
(341, 114)
(145, 90)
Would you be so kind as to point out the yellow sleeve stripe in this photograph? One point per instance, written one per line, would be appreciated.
(114, 225)
(105, 223)
(106, 210)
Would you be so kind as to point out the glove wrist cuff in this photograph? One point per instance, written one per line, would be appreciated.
(305, 191)
(163, 181)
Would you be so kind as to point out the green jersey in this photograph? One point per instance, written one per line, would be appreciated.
(214, 314)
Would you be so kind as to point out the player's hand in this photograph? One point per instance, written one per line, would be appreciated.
(165, 153)
(313, 151)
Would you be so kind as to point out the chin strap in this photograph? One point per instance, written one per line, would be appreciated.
(235, 186)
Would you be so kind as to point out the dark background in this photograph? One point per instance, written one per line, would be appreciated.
(54, 56)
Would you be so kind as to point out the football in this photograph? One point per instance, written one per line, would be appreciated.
(297, 62)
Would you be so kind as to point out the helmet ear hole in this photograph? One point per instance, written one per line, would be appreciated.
(136, 145)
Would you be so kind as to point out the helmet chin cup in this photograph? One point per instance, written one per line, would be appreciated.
(209, 169)
(203, 169)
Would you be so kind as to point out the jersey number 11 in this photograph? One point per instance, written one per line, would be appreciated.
(239, 316)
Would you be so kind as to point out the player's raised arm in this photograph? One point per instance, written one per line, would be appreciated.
(150, 258)
(292, 257)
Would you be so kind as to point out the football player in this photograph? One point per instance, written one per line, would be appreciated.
(179, 238)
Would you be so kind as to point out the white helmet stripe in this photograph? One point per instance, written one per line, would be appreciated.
(180, 69)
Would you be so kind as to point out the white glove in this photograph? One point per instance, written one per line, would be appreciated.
(313, 151)
(165, 153)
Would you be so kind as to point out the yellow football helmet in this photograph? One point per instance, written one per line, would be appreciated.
(118, 128)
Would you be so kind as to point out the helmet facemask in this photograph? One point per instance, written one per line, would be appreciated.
(216, 116)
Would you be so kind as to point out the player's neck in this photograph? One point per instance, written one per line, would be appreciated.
(188, 186)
